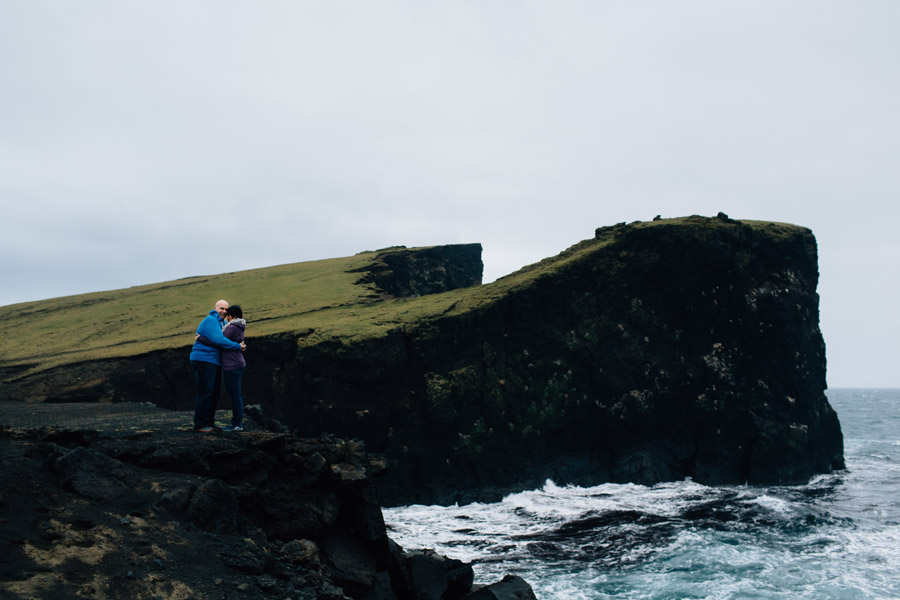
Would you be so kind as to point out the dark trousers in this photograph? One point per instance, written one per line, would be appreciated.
(207, 376)
(217, 393)
(233, 378)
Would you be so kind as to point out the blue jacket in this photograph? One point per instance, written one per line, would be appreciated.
(211, 329)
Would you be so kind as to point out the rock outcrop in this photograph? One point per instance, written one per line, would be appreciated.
(404, 274)
(655, 351)
(152, 509)
(651, 353)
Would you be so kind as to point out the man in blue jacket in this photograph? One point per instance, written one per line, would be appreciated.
(205, 363)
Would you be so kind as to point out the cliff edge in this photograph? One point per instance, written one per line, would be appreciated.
(655, 351)
(126, 501)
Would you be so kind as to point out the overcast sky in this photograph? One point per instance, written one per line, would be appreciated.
(146, 141)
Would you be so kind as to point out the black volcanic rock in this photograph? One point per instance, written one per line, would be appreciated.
(511, 587)
(268, 515)
(93, 474)
(683, 349)
(405, 274)
(424, 574)
(652, 352)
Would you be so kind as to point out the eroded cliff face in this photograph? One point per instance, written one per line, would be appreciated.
(656, 351)
(683, 350)
(163, 376)
(405, 274)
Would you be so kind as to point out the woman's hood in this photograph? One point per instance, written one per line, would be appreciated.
(238, 323)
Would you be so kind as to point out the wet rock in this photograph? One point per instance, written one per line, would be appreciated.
(511, 587)
(427, 575)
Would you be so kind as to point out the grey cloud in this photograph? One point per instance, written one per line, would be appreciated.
(138, 136)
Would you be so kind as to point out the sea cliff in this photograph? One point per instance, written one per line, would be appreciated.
(653, 351)
(649, 353)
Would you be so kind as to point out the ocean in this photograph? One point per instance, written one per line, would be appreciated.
(837, 537)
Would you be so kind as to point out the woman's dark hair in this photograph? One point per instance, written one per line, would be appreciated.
(235, 311)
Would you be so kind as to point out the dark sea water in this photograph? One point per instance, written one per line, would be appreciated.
(838, 537)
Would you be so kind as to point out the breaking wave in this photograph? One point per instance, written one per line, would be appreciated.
(836, 537)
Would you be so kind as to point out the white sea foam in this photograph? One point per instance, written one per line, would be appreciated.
(778, 505)
(837, 537)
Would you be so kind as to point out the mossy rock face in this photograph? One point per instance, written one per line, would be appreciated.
(654, 351)
(404, 274)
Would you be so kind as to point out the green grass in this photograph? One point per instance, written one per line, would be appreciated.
(317, 300)
(152, 317)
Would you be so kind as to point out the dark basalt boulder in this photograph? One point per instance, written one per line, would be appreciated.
(511, 587)
(92, 474)
(427, 575)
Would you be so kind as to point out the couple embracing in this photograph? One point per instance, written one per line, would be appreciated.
(217, 350)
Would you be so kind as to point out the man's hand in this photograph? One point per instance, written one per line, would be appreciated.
(243, 346)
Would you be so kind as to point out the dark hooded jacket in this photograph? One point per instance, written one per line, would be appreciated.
(231, 359)
(234, 359)
(211, 340)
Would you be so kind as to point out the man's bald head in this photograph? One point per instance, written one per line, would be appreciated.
(222, 308)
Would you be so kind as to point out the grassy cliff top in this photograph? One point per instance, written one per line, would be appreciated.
(316, 300)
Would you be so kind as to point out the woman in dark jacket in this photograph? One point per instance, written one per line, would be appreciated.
(233, 365)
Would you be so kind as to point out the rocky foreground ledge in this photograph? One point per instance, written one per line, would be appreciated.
(126, 501)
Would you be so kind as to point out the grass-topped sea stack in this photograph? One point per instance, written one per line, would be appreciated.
(654, 351)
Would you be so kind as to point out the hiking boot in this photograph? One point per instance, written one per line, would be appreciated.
(233, 428)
